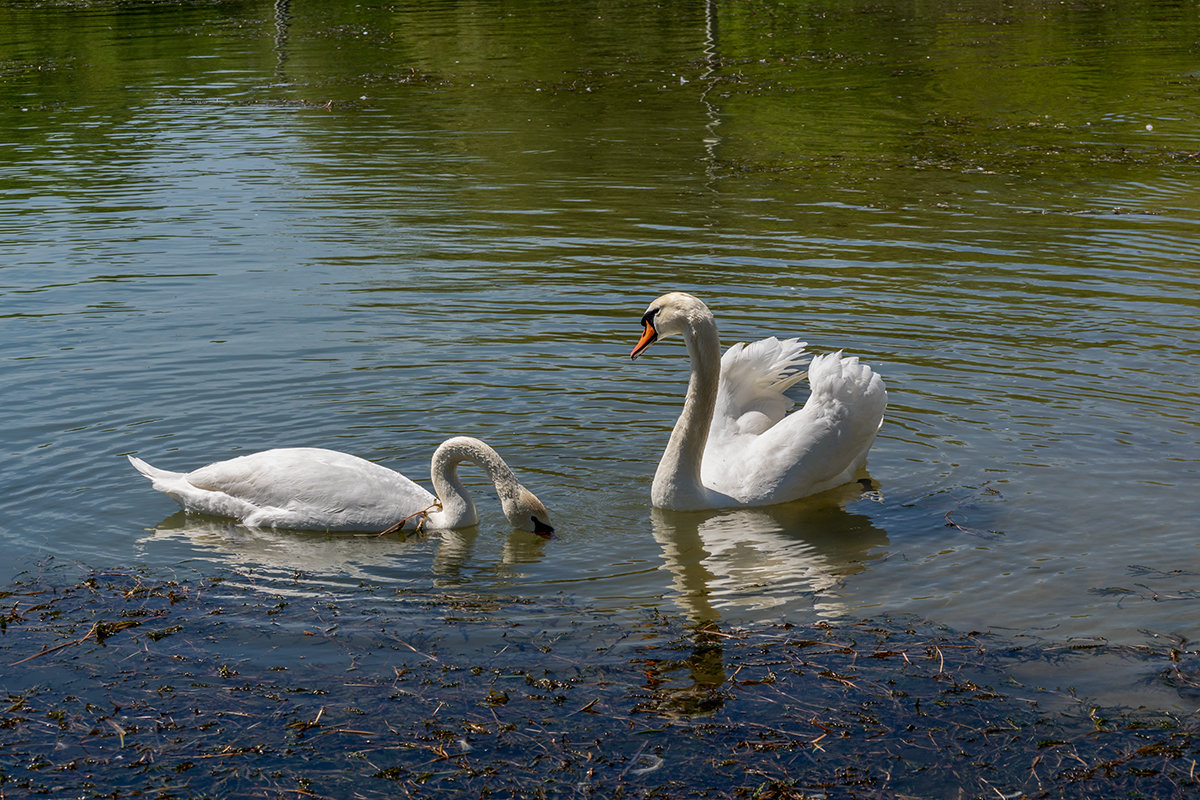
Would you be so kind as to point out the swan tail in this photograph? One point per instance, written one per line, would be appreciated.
(150, 471)
(172, 484)
(197, 499)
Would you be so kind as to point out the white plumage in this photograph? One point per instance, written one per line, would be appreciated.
(735, 443)
(309, 488)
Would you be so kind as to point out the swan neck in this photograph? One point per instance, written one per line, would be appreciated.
(458, 508)
(677, 483)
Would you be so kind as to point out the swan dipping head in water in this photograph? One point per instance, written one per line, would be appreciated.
(309, 488)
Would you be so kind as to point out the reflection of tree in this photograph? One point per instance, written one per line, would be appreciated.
(761, 557)
(283, 18)
(709, 80)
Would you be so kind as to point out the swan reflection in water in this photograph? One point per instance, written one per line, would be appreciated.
(339, 559)
(766, 558)
(757, 564)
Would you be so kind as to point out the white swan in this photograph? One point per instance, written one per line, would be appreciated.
(308, 488)
(734, 443)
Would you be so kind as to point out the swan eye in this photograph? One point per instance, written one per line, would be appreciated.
(648, 317)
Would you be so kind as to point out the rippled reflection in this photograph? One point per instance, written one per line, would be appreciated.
(328, 559)
(762, 558)
(283, 18)
(725, 563)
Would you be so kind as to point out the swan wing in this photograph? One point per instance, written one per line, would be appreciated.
(304, 487)
(818, 447)
(751, 392)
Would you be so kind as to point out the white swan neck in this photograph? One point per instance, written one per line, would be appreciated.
(458, 510)
(677, 482)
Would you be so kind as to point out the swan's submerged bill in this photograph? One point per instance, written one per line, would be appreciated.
(308, 488)
(735, 444)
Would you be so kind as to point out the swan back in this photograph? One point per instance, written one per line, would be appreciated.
(300, 487)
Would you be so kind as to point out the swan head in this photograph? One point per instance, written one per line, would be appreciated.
(525, 512)
(671, 314)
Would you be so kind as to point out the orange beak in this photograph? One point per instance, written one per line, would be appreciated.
(649, 337)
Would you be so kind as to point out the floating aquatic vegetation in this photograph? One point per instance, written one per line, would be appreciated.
(125, 682)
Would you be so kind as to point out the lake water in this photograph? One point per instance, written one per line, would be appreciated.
(229, 227)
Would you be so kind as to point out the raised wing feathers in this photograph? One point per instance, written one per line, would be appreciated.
(819, 446)
(754, 378)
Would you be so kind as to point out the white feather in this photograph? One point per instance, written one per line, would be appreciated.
(309, 488)
(735, 444)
